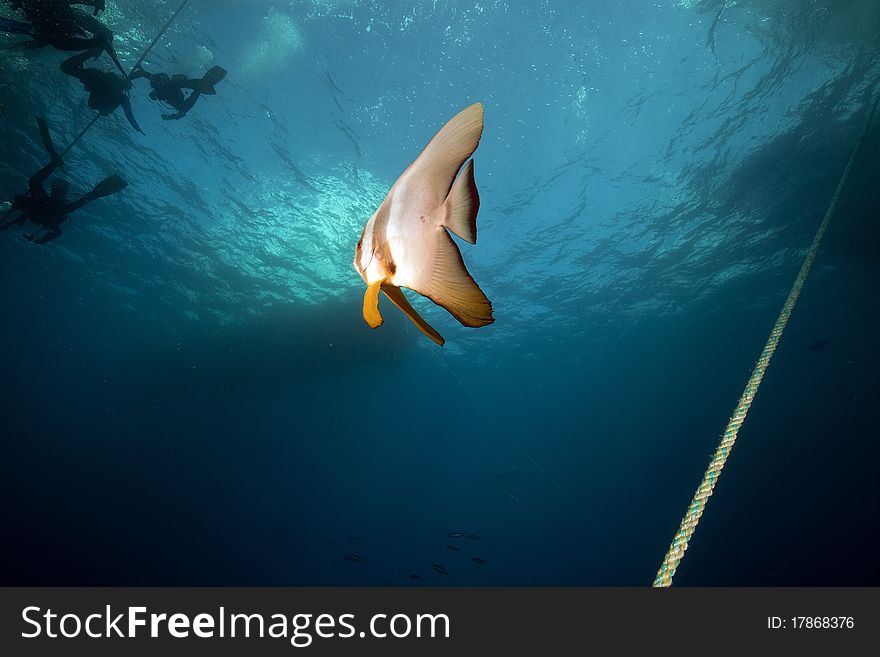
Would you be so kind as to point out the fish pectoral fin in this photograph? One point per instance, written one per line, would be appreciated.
(398, 299)
(372, 316)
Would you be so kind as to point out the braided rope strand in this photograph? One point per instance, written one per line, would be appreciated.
(713, 472)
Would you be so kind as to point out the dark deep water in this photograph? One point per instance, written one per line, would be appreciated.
(191, 396)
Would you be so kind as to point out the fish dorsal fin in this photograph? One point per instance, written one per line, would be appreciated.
(398, 299)
(439, 162)
(372, 316)
(445, 280)
(462, 204)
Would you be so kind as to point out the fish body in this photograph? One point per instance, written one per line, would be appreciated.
(819, 344)
(453, 548)
(439, 569)
(455, 534)
(478, 560)
(406, 242)
(354, 558)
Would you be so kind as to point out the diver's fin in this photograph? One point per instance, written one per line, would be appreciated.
(462, 204)
(111, 51)
(47, 142)
(398, 299)
(211, 78)
(126, 107)
(107, 187)
(372, 316)
(205, 85)
(446, 282)
(15, 27)
(214, 75)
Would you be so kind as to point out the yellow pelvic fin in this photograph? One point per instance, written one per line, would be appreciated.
(372, 316)
(398, 299)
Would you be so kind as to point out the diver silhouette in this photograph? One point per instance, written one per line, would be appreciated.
(55, 23)
(50, 210)
(169, 90)
(107, 90)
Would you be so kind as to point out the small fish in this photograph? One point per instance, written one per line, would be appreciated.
(474, 537)
(454, 548)
(819, 344)
(439, 569)
(477, 560)
(354, 558)
(415, 577)
(406, 243)
(455, 534)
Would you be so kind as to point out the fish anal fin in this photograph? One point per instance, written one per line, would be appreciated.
(462, 204)
(398, 299)
(447, 283)
(372, 316)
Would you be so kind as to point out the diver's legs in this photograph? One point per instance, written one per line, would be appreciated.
(75, 44)
(183, 109)
(50, 235)
(139, 72)
(52, 232)
(73, 66)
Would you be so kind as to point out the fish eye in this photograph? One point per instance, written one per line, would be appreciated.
(360, 243)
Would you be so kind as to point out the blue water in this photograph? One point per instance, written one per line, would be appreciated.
(190, 394)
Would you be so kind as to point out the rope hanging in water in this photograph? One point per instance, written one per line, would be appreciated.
(79, 136)
(128, 77)
(158, 36)
(698, 504)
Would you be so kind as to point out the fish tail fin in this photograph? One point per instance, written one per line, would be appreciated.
(372, 316)
(462, 205)
(449, 284)
(398, 299)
